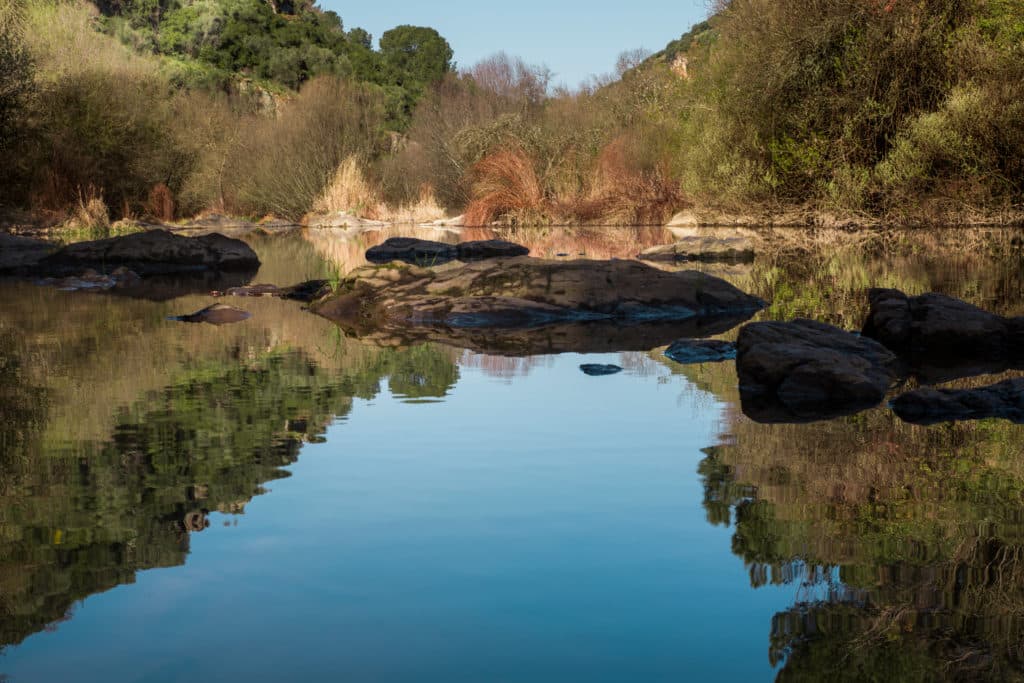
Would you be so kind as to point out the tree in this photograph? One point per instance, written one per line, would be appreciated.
(415, 56)
(15, 75)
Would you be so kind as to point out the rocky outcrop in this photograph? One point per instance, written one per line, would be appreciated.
(217, 314)
(942, 338)
(524, 292)
(153, 252)
(803, 371)
(430, 253)
(691, 351)
(931, 406)
(703, 249)
(598, 370)
(340, 219)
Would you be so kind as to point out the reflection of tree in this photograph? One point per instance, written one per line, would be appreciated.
(84, 518)
(23, 407)
(923, 528)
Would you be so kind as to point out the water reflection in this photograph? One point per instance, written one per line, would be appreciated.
(121, 434)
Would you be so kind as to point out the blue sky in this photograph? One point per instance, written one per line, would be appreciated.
(574, 38)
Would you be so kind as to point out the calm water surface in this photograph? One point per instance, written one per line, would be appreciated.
(273, 501)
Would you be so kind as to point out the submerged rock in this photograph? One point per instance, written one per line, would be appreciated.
(804, 370)
(523, 292)
(930, 406)
(942, 338)
(704, 249)
(153, 252)
(597, 370)
(217, 314)
(310, 290)
(690, 351)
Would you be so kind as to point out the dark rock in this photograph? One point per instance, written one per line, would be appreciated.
(942, 338)
(688, 351)
(930, 406)
(484, 249)
(217, 314)
(522, 291)
(308, 291)
(803, 371)
(703, 249)
(154, 252)
(22, 252)
(304, 291)
(596, 370)
(411, 250)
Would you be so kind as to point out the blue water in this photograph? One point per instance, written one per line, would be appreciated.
(547, 527)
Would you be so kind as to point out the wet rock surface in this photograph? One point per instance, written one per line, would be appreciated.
(22, 252)
(217, 314)
(428, 252)
(310, 290)
(930, 406)
(942, 338)
(524, 292)
(803, 371)
(689, 351)
(152, 252)
(598, 370)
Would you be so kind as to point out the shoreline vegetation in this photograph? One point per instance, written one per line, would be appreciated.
(832, 115)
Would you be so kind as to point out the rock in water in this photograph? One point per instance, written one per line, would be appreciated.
(484, 249)
(154, 252)
(930, 406)
(596, 370)
(704, 249)
(522, 291)
(690, 351)
(943, 338)
(804, 370)
(411, 250)
(217, 314)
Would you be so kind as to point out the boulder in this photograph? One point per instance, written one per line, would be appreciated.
(523, 291)
(802, 371)
(217, 314)
(411, 250)
(22, 252)
(704, 249)
(304, 291)
(154, 252)
(430, 253)
(942, 338)
(690, 351)
(930, 406)
(597, 370)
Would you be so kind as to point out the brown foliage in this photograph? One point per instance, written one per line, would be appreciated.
(505, 183)
(160, 203)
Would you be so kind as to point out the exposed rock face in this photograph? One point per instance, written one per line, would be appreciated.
(522, 291)
(803, 371)
(154, 252)
(428, 253)
(689, 351)
(596, 370)
(705, 249)
(930, 406)
(943, 338)
(217, 314)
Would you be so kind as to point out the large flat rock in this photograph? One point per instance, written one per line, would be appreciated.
(524, 292)
(153, 252)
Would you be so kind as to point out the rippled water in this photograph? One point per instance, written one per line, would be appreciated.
(273, 501)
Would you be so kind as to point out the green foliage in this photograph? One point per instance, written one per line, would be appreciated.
(16, 82)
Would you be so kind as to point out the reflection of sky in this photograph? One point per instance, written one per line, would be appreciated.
(544, 529)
